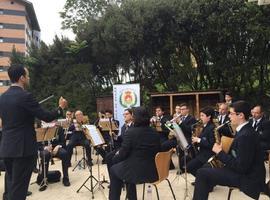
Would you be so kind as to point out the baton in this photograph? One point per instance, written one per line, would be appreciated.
(42, 101)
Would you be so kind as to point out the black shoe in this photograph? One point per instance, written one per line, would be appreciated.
(103, 162)
(89, 163)
(28, 193)
(193, 183)
(35, 170)
(66, 182)
(43, 187)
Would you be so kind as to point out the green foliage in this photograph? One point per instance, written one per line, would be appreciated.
(151, 42)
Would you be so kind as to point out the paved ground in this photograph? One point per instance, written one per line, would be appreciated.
(57, 191)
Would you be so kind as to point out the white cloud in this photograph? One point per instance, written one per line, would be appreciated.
(49, 19)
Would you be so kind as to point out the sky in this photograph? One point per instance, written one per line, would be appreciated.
(49, 19)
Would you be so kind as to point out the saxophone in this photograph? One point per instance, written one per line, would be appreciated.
(213, 161)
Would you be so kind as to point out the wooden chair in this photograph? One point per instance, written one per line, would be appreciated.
(162, 161)
(230, 192)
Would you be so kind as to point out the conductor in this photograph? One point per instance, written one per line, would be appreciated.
(18, 146)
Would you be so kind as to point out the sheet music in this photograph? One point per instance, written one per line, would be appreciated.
(180, 137)
(95, 135)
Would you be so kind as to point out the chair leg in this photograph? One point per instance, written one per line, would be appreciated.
(229, 194)
(157, 192)
(171, 188)
(143, 191)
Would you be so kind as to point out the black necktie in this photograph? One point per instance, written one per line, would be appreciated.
(255, 124)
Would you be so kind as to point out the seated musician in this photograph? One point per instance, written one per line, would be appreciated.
(136, 157)
(257, 118)
(108, 135)
(55, 149)
(185, 121)
(204, 142)
(158, 121)
(223, 117)
(78, 138)
(124, 130)
(244, 166)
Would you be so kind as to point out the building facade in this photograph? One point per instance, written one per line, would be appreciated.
(19, 28)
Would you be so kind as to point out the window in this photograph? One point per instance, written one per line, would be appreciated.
(1, 40)
(1, 11)
(1, 26)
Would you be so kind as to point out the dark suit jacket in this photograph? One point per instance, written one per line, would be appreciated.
(245, 158)
(18, 110)
(206, 144)
(259, 125)
(186, 127)
(136, 157)
(264, 135)
(226, 129)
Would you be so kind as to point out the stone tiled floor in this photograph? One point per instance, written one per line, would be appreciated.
(57, 191)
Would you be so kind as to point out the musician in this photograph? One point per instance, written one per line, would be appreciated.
(185, 121)
(18, 146)
(228, 98)
(109, 136)
(244, 166)
(223, 116)
(160, 117)
(257, 118)
(55, 149)
(204, 141)
(128, 118)
(136, 157)
(78, 138)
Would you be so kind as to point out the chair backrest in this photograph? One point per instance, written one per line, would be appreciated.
(162, 161)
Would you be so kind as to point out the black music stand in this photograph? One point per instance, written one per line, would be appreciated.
(181, 144)
(44, 135)
(94, 135)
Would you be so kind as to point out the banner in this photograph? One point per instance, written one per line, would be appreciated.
(125, 96)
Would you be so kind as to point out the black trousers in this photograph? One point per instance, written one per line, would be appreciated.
(78, 139)
(62, 154)
(192, 165)
(116, 186)
(19, 171)
(207, 178)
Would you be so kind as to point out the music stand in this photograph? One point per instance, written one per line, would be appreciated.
(43, 135)
(94, 135)
(183, 144)
(108, 125)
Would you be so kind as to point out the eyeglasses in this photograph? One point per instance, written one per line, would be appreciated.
(234, 113)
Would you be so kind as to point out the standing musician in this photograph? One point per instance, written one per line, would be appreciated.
(135, 160)
(18, 146)
(78, 138)
(204, 141)
(244, 166)
(124, 130)
(158, 121)
(55, 149)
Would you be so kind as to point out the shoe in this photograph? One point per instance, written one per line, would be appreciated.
(89, 163)
(66, 181)
(103, 162)
(193, 183)
(43, 187)
(28, 193)
(35, 170)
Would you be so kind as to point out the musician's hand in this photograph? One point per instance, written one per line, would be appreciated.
(48, 148)
(62, 103)
(217, 148)
(196, 140)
